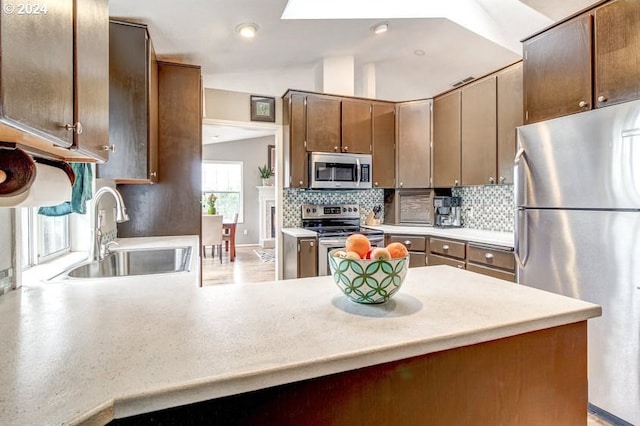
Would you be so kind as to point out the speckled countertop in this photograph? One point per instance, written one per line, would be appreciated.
(79, 351)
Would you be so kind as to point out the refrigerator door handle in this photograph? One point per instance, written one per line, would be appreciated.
(519, 167)
(521, 250)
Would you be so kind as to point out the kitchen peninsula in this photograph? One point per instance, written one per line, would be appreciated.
(451, 345)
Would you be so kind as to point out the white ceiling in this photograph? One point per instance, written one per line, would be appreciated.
(286, 53)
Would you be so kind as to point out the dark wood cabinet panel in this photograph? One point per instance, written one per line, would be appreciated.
(172, 206)
(356, 126)
(384, 136)
(300, 257)
(297, 164)
(446, 140)
(557, 70)
(413, 145)
(37, 72)
(323, 124)
(132, 105)
(92, 78)
(478, 132)
(617, 52)
(510, 116)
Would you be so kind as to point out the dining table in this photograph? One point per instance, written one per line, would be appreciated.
(229, 228)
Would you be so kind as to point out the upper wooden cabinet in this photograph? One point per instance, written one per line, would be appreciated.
(478, 132)
(53, 79)
(323, 124)
(413, 146)
(446, 140)
(356, 126)
(617, 52)
(510, 116)
(295, 154)
(384, 145)
(474, 130)
(557, 70)
(133, 105)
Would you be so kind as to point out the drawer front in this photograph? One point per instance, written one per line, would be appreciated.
(496, 273)
(434, 259)
(447, 247)
(491, 257)
(417, 258)
(412, 242)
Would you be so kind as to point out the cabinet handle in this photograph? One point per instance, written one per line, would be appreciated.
(456, 183)
(492, 180)
(375, 183)
(488, 256)
(502, 179)
(445, 247)
(153, 174)
(346, 149)
(401, 184)
(582, 104)
(602, 98)
(310, 243)
(335, 148)
(300, 183)
(460, 267)
(75, 127)
(111, 148)
(407, 243)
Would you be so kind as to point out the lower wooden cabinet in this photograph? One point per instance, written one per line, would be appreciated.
(300, 257)
(416, 245)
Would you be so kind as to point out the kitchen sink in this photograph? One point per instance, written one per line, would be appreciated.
(134, 262)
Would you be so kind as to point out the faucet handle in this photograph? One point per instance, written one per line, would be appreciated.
(105, 248)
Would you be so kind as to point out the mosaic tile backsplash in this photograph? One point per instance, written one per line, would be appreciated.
(294, 198)
(489, 207)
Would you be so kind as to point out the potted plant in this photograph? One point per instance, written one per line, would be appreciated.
(210, 203)
(265, 174)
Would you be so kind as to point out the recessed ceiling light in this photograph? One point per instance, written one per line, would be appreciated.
(247, 30)
(418, 52)
(380, 28)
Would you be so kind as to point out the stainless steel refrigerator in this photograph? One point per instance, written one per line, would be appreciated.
(577, 191)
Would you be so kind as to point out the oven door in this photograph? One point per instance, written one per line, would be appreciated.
(325, 245)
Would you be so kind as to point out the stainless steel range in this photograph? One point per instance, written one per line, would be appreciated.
(334, 223)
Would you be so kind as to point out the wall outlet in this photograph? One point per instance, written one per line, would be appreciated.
(245, 232)
(469, 212)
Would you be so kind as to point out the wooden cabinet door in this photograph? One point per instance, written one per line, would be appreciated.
(92, 77)
(384, 148)
(298, 160)
(356, 126)
(413, 146)
(478, 132)
(36, 71)
(307, 258)
(323, 124)
(617, 52)
(446, 140)
(510, 116)
(131, 113)
(557, 70)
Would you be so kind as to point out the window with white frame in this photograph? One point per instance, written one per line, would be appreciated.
(224, 180)
(43, 237)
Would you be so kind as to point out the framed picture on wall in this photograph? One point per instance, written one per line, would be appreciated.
(263, 108)
(271, 158)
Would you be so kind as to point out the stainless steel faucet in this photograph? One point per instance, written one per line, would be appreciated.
(98, 250)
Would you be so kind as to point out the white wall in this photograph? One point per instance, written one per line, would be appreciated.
(252, 153)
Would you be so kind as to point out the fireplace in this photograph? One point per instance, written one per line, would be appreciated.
(268, 218)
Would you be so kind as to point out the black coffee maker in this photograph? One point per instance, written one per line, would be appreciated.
(447, 211)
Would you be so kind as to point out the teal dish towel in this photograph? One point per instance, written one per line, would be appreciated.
(81, 192)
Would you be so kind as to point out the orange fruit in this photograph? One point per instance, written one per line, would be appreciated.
(358, 243)
(397, 250)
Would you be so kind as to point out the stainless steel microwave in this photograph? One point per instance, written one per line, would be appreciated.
(339, 171)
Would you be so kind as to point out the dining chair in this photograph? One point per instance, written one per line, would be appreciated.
(229, 235)
(212, 234)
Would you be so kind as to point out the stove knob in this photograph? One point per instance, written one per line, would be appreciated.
(350, 209)
(355, 209)
(308, 210)
(314, 210)
(344, 210)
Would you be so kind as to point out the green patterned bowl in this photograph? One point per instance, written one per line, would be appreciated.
(368, 281)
